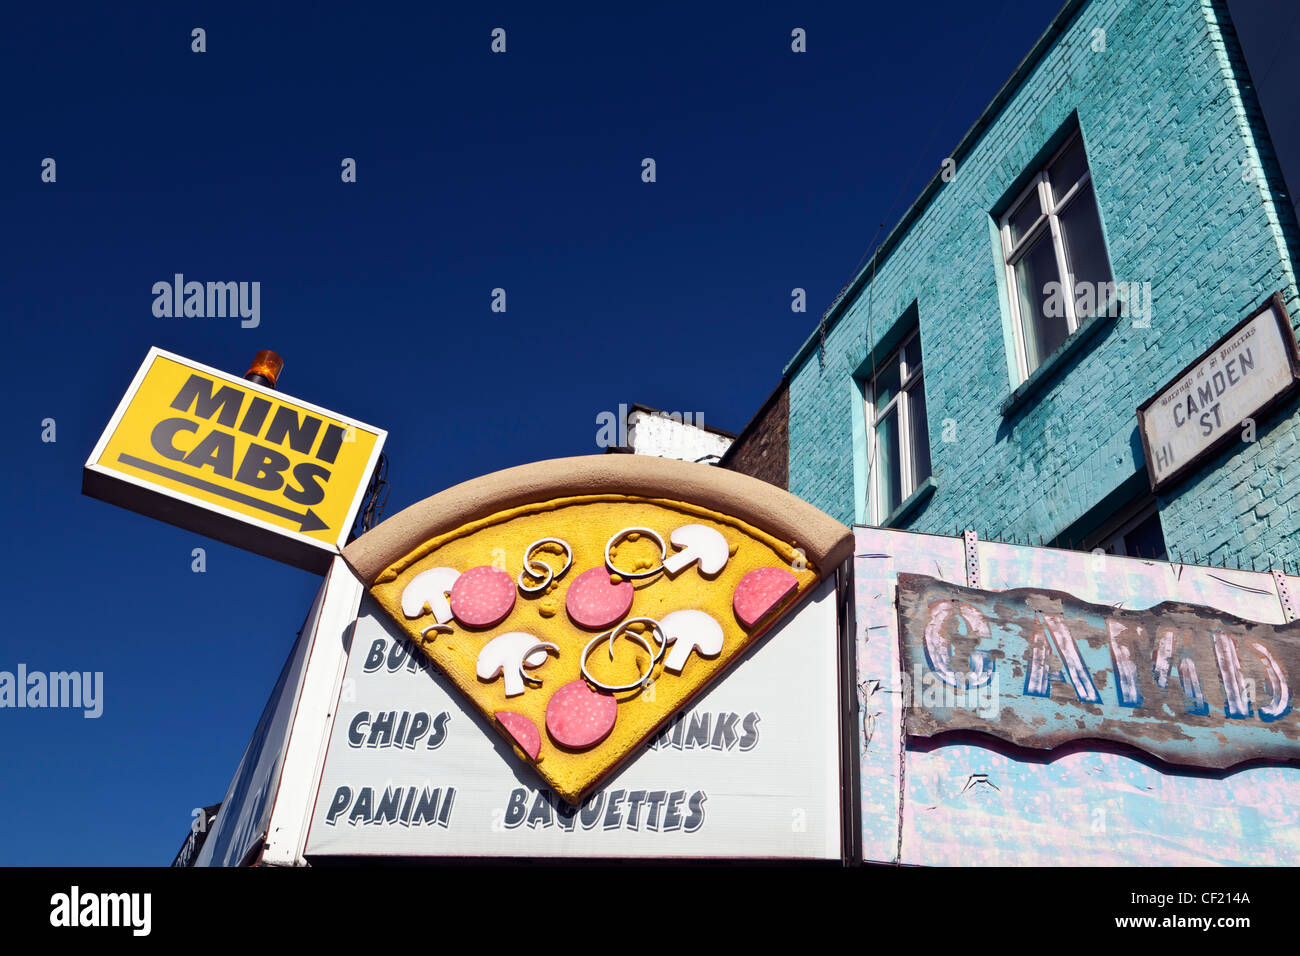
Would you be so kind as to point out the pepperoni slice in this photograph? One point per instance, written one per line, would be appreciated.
(760, 591)
(523, 731)
(482, 596)
(595, 602)
(579, 717)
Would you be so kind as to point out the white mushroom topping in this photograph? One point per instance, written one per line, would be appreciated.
(428, 591)
(698, 543)
(690, 631)
(508, 655)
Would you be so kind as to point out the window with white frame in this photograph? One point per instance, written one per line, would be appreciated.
(1058, 272)
(898, 437)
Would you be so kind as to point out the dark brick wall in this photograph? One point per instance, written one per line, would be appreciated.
(762, 449)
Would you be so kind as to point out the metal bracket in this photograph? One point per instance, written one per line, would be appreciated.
(972, 559)
(1284, 593)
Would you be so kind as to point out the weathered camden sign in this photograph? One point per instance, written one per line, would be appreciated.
(235, 461)
(1206, 406)
(1188, 684)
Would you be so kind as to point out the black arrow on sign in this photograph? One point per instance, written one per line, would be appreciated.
(307, 522)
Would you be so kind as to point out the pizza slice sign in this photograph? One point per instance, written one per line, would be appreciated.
(581, 621)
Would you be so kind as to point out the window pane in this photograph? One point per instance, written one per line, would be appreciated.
(912, 354)
(1067, 169)
(920, 434)
(1085, 251)
(1147, 540)
(889, 485)
(1023, 219)
(1039, 288)
(887, 382)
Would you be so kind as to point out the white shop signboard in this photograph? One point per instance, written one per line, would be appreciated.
(1207, 405)
(751, 769)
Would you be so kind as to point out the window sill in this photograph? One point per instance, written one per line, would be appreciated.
(1067, 350)
(911, 503)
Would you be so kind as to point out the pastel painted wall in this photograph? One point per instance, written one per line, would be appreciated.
(1186, 191)
(967, 803)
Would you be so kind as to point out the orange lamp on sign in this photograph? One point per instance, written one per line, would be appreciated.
(266, 368)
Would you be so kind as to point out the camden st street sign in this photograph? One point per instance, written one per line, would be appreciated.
(1209, 403)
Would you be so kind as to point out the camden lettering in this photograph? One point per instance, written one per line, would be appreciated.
(1186, 683)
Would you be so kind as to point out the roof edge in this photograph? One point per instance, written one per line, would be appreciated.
(850, 292)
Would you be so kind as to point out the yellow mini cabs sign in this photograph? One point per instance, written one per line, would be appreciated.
(235, 461)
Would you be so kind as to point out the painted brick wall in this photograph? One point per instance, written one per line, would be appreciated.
(1185, 201)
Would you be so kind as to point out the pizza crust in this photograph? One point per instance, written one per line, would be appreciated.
(825, 541)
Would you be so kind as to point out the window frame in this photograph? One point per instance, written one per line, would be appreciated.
(901, 404)
(1124, 522)
(1046, 221)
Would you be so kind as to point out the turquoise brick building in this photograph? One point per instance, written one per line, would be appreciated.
(962, 381)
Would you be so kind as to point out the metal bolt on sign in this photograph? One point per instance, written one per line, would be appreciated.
(1283, 592)
(972, 559)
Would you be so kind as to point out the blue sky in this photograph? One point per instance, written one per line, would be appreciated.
(475, 171)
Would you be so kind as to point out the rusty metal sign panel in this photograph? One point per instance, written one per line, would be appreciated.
(1188, 684)
(1212, 401)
